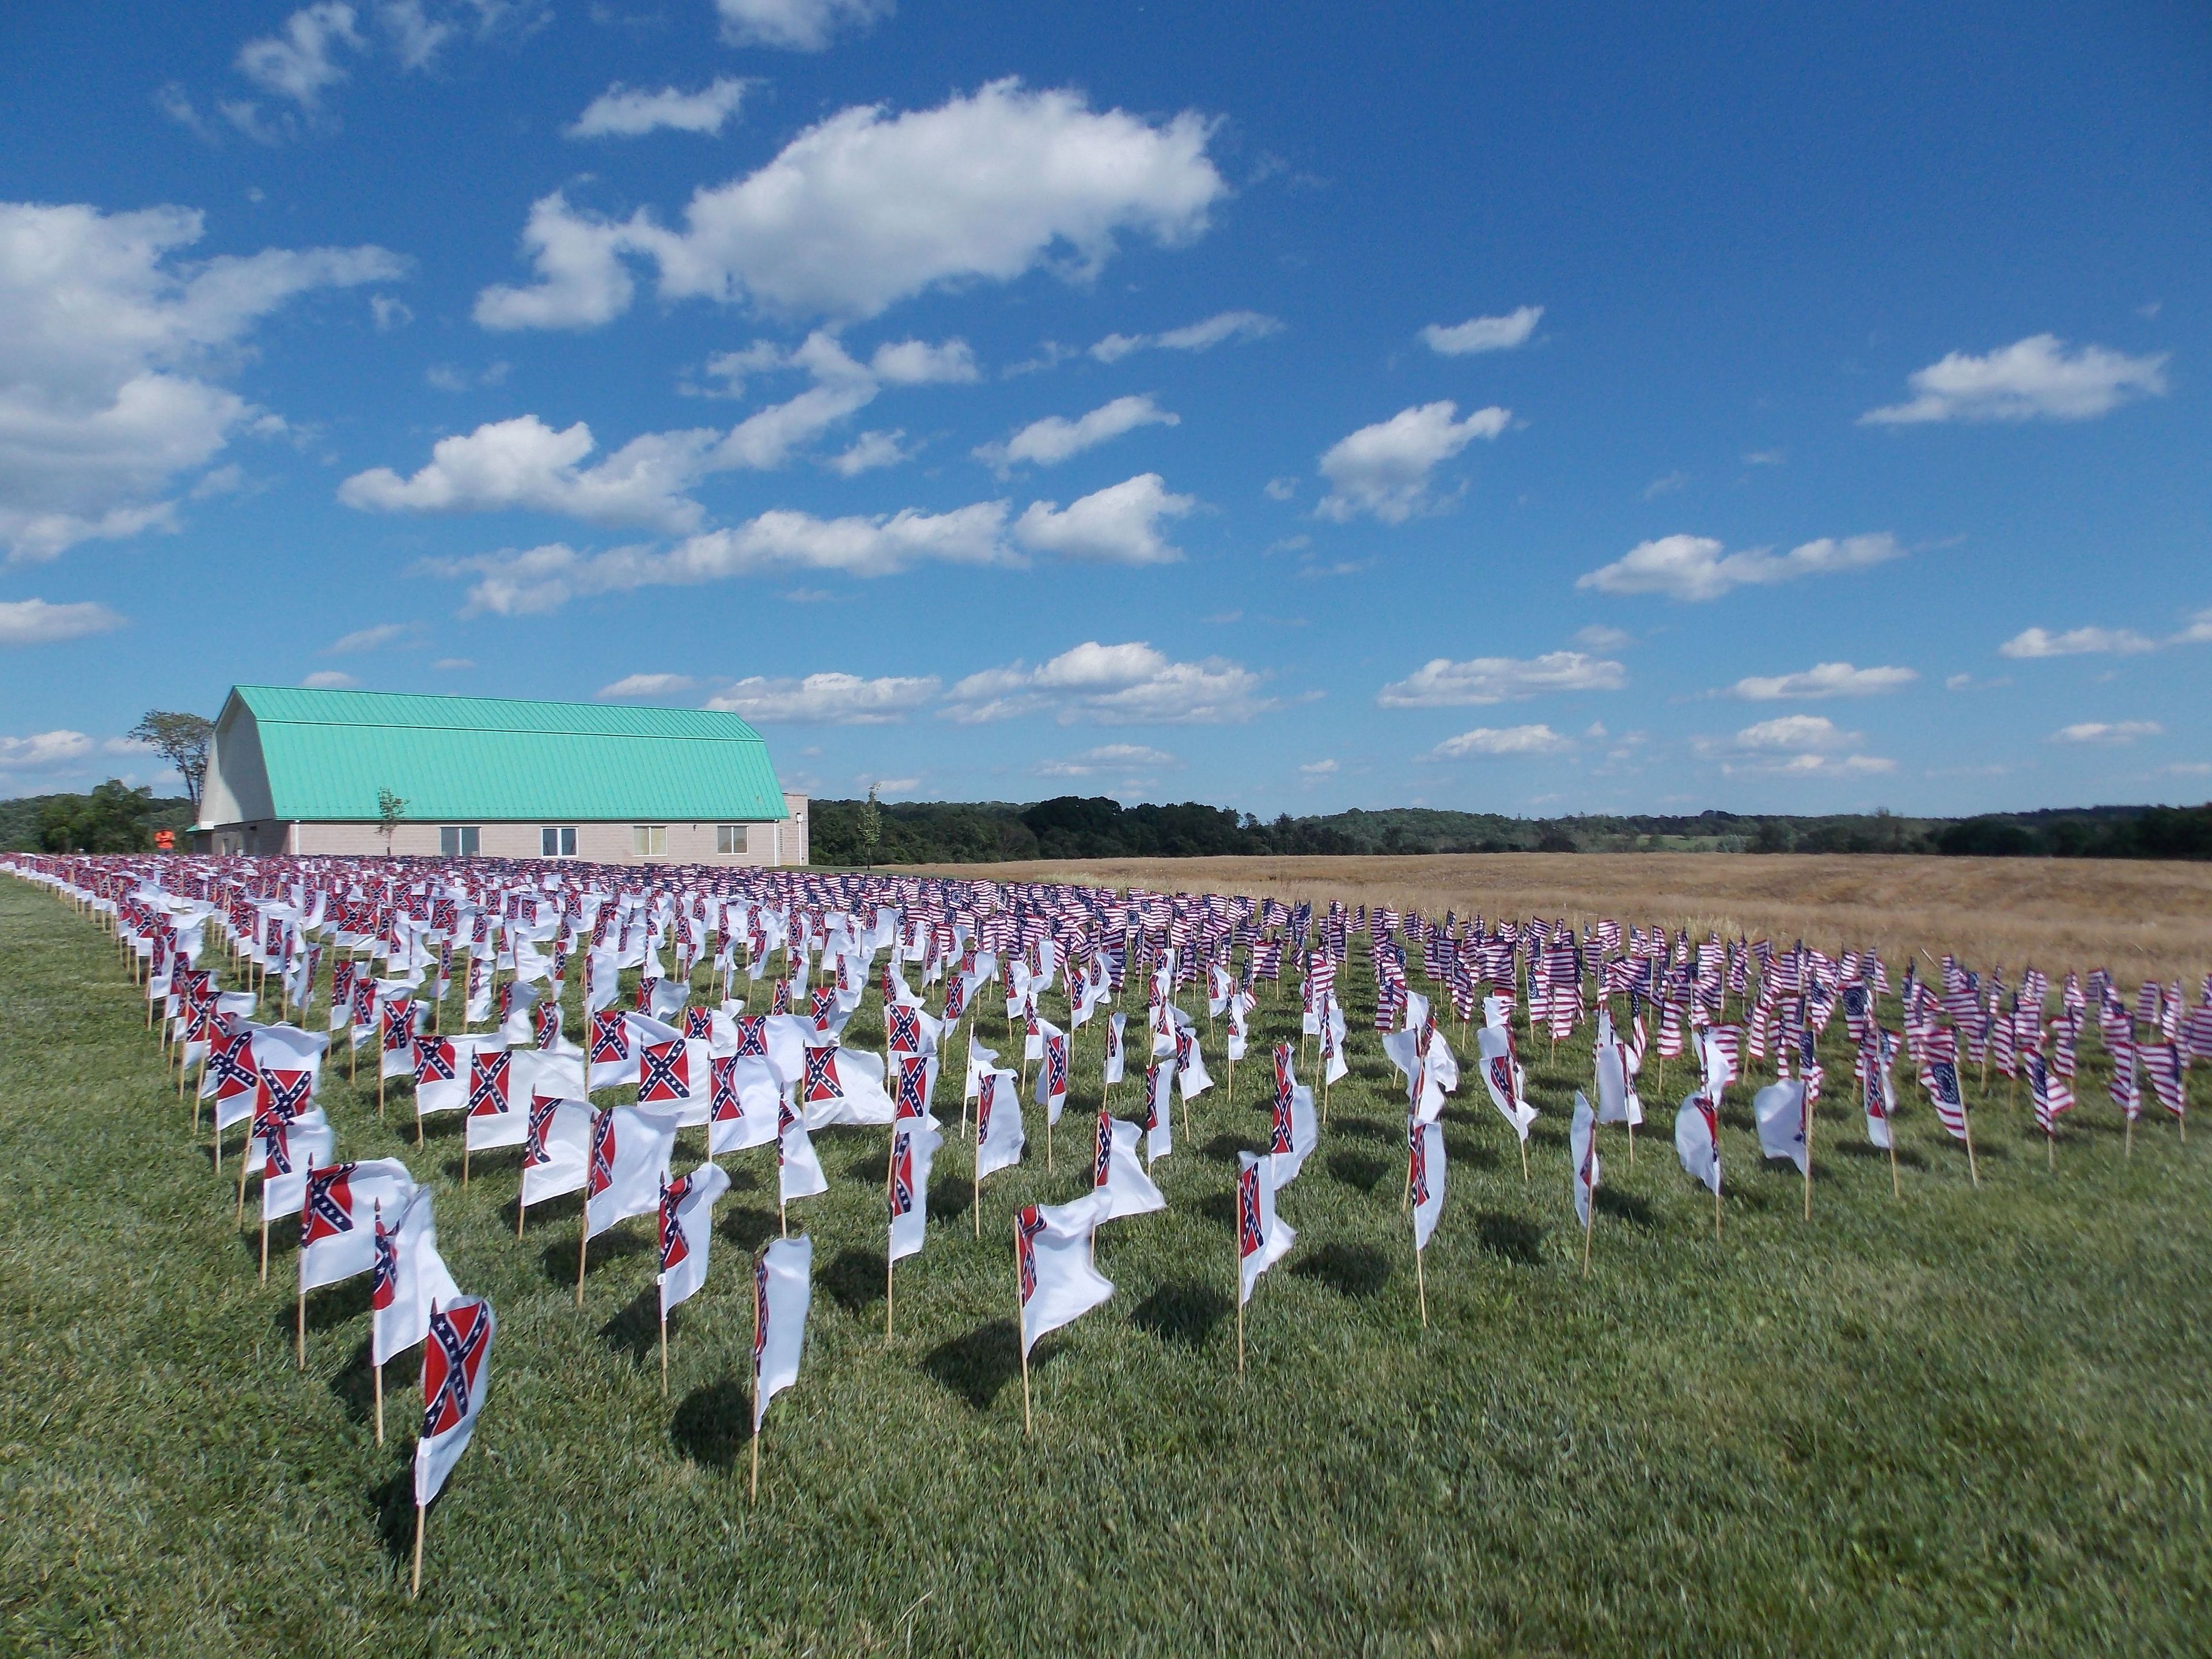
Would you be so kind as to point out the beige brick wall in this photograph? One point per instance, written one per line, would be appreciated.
(683, 843)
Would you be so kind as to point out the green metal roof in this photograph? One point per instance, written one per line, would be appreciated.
(463, 759)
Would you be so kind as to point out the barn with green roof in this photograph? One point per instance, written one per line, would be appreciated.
(305, 772)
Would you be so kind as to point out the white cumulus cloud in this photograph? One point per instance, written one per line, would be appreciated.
(372, 638)
(1384, 469)
(1202, 336)
(43, 749)
(1503, 740)
(826, 699)
(1118, 524)
(523, 463)
(36, 621)
(649, 686)
(1443, 683)
(329, 679)
(2109, 732)
(1052, 440)
(2033, 642)
(623, 112)
(1794, 745)
(1129, 759)
(300, 61)
(1484, 333)
(869, 207)
(111, 355)
(2033, 378)
(533, 581)
(1824, 679)
(796, 25)
(1693, 568)
(1125, 684)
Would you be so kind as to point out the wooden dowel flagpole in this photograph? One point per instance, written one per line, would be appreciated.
(891, 1268)
(376, 1369)
(1027, 1431)
(414, 1582)
(583, 1246)
(1589, 1221)
(1421, 1286)
(300, 1336)
(1811, 1112)
(664, 1351)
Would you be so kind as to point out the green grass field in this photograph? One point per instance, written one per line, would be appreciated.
(1968, 1421)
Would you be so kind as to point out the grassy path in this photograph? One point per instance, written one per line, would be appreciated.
(1966, 1421)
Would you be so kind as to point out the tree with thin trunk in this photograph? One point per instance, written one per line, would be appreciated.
(183, 741)
(389, 811)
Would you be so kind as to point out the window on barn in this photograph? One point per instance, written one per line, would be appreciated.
(649, 841)
(729, 838)
(458, 841)
(557, 842)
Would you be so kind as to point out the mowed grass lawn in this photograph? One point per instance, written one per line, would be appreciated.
(1968, 1421)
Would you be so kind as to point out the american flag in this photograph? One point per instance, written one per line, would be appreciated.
(2052, 1094)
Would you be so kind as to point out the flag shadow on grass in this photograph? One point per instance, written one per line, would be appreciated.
(1355, 1169)
(391, 1502)
(713, 1425)
(1359, 1128)
(747, 1229)
(1354, 1270)
(949, 1196)
(1223, 1149)
(635, 1330)
(355, 1387)
(1632, 1207)
(558, 1259)
(855, 1278)
(1514, 1237)
(551, 1212)
(978, 1365)
(331, 1306)
(491, 1160)
(1185, 1312)
(1480, 1154)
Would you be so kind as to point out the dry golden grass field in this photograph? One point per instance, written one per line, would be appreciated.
(2138, 918)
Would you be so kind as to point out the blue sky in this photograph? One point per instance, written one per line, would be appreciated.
(1533, 409)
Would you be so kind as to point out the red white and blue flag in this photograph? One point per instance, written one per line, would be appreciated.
(456, 1371)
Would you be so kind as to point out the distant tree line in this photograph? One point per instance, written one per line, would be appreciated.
(1095, 826)
(111, 817)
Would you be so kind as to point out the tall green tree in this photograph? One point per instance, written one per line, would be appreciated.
(872, 827)
(181, 740)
